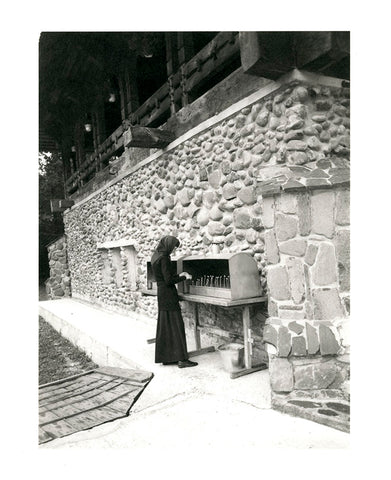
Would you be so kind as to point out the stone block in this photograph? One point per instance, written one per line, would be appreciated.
(287, 203)
(272, 308)
(229, 191)
(180, 212)
(242, 218)
(296, 145)
(342, 205)
(328, 343)
(284, 342)
(327, 304)
(314, 377)
(342, 247)
(316, 183)
(294, 247)
(293, 135)
(268, 209)
(169, 200)
(304, 213)
(214, 178)
(183, 197)
(310, 255)
(299, 347)
(297, 158)
(203, 217)
(286, 227)
(278, 283)
(216, 214)
(247, 195)
(296, 327)
(293, 186)
(161, 206)
(322, 213)
(281, 375)
(272, 254)
(270, 335)
(215, 228)
(296, 279)
(209, 198)
(312, 339)
(286, 313)
(324, 270)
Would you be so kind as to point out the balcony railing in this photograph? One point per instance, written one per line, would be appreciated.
(179, 90)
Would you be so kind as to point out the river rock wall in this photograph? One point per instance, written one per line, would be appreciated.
(211, 189)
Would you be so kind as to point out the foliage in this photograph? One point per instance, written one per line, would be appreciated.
(51, 186)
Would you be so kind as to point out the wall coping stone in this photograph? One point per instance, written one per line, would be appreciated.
(295, 76)
(116, 244)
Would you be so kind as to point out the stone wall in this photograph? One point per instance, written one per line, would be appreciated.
(211, 186)
(307, 240)
(59, 283)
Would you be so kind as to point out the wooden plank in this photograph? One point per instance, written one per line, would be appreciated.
(43, 436)
(222, 301)
(146, 137)
(59, 429)
(140, 376)
(201, 351)
(210, 292)
(57, 399)
(151, 292)
(247, 371)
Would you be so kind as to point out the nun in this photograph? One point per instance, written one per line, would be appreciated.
(171, 347)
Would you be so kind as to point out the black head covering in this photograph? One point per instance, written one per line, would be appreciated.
(165, 246)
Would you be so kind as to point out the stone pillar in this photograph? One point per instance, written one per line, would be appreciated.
(59, 283)
(307, 254)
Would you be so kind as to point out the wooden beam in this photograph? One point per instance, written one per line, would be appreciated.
(267, 54)
(314, 50)
(271, 54)
(57, 205)
(145, 137)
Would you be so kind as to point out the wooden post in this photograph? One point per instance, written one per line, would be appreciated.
(185, 52)
(246, 330)
(132, 96)
(171, 53)
(197, 335)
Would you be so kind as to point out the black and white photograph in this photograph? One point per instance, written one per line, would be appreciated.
(194, 238)
(193, 249)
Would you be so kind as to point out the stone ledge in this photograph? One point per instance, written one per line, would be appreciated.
(335, 414)
(116, 244)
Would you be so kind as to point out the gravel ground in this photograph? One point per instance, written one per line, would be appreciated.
(59, 358)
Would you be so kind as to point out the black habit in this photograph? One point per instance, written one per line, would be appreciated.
(170, 333)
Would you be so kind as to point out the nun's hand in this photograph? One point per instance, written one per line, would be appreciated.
(187, 275)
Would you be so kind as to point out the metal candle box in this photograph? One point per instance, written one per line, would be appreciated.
(233, 276)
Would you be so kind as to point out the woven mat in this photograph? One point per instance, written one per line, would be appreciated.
(84, 401)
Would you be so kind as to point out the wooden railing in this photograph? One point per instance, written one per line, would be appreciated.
(177, 92)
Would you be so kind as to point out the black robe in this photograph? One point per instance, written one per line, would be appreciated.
(170, 332)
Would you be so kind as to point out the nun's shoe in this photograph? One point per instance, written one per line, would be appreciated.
(187, 363)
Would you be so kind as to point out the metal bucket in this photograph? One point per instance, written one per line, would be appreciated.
(232, 356)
